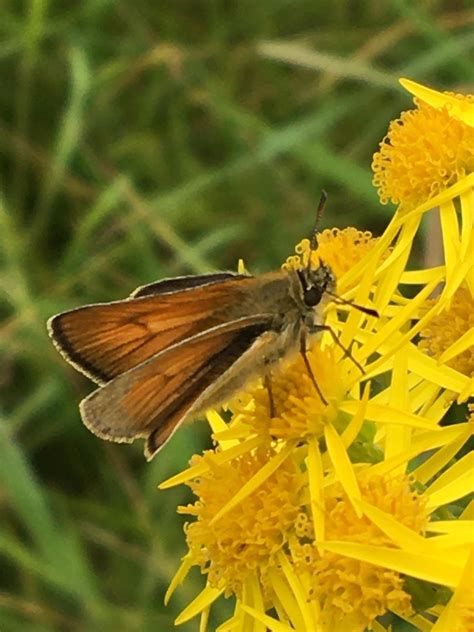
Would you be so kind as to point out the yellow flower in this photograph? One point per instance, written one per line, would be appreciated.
(349, 593)
(449, 337)
(341, 249)
(457, 105)
(299, 411)
(425, 152)
(406, 544)
(426, 163)
(326, 508)
(266, 550)
(245, 542)
(288, 520)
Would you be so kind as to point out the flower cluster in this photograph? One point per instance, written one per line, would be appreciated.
(348, 511)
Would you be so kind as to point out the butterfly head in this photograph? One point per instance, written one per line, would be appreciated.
(315, 283)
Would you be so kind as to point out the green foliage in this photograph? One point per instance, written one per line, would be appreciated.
(143, 140)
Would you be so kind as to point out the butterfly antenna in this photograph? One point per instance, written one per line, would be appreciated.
(313, 240)
(342, 301)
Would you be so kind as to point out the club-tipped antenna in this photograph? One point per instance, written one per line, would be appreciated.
(342, 301)
(313, 240)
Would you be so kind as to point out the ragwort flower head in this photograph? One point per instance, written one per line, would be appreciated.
(341, 249)
(299, 411)
(286, 518)
(425, 151)
(448, 328)
(351, 593)
(245, 540)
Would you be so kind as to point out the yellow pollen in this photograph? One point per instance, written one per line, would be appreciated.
(446, 328)
(341, 249)
(424, 152)
(247, 539)
(298, 408)
(351, 594)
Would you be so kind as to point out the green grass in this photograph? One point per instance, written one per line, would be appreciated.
(142, 140)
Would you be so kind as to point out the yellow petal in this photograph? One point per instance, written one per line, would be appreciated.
(460, 109)
(353, 321)
(393, 270)
(435, 405)
(251, 597)
(450, 235)
(354, 426)
(254, 591)
(205, 598)
(388, 415)
(219, 457)
(456, 542)
(254, 483)
(462, 599)
(467, 222)
(462, 344)
(454, 491)
(421, 277)
(286, 598)
(218, 425)
(466, 392)
(402, 536)
(342, 466)
(428, 567)
(178, 578)
(234, 623)
(468, 513)
(456, 278)
(315, 477)
(463, 528)
(455, 483)
(298, 592)
(384, 338)
(232, 435)
(215, 421)
(269, 622)
(422, 443)
(428, 368)
(437, 461)
(398, 437)
(465, 465)
(457, 189)
(186, 475)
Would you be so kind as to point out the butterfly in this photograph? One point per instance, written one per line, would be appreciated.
(179, 346)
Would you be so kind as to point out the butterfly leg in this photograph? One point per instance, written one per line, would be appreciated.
(334, 336)
(303, 352)
(271, 401)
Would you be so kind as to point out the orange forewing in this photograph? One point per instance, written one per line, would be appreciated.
(106, 340)
(151, 399)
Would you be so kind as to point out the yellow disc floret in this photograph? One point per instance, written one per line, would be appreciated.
(424, 152)
(446, 328)
(298, 410)
(341, 249)
(246, 539)
(351, 593)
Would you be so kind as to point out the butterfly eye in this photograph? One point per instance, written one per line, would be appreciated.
(312, 296)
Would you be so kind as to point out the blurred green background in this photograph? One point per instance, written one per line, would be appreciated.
(146, 139)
